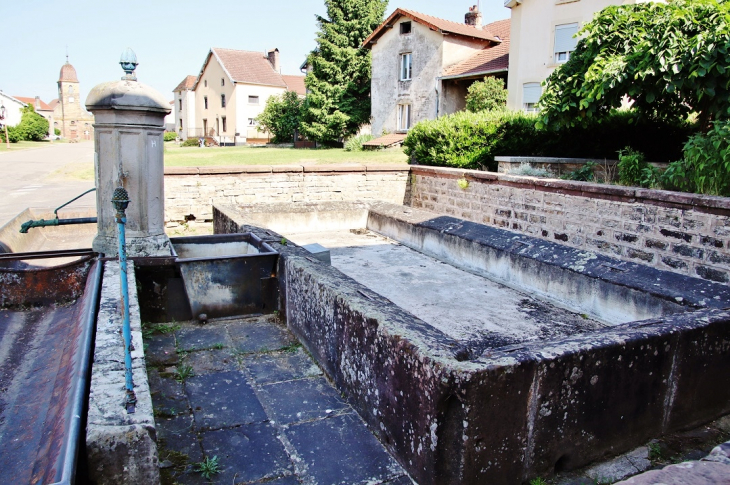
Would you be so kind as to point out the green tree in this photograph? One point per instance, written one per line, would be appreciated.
(487, 95)
(281, 116)
(32, 126)
(338, 98)
(671, 59)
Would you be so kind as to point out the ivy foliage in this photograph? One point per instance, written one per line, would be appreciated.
(486, 95)
(672, 59)
(338, 99)
(282, 116)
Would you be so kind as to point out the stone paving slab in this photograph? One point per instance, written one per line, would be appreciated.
(248, 453)
(222, 400)
(201, 338)
(301, 400)
(269, 415)
(360, 458)
(161, 350)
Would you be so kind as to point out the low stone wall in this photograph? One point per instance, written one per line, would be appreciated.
(121, 448)
(683, 233)
(192, 191)
(606, 169)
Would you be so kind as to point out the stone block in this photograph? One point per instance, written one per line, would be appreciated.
(122, 454)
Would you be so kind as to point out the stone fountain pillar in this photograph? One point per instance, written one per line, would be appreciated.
(128, 141)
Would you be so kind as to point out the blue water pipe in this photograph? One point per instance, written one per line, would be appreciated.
(120, 201)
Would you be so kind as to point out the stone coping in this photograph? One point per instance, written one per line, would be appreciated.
(508, 159)
(665, 198)
(259, 169)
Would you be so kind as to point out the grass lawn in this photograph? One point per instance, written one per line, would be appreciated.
(23, 145)
(176, 156)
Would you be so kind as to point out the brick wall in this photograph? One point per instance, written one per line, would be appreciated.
(190, 192)
(684, 233)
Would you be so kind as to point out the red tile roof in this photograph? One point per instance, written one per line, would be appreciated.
(296, 84)
(247, 67)
(434, 23)
(386, 140)
(489, 60)
(186, 85)
(41, 104)
(53, 104)
(68, 74)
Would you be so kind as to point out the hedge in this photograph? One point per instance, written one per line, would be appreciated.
(472, 140)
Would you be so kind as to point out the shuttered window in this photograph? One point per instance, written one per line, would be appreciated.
(565, 41)
(531, 93)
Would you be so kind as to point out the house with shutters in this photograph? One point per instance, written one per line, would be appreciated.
(422, 67)
(543, 36)
(224, 99)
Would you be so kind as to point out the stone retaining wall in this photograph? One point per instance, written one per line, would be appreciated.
(683, 233)
(192, 191)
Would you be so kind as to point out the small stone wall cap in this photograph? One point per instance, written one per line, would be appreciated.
(127, 95)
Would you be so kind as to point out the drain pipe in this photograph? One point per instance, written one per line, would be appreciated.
(59, 222)
(120, 201)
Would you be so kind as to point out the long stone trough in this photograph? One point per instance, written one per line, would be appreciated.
(463, 411)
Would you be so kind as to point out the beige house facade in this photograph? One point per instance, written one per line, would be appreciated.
(223, 101)
(542, 38)
(422, 66)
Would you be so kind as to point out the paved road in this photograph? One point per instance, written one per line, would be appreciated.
(30, 178)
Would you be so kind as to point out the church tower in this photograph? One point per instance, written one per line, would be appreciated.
(76, 122)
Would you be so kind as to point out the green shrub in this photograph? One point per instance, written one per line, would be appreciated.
(472, 140)
(631, 165)
(487, 95)
(32, 126)
(170, 136)
(587, 173)
(57, 132)
(14, 135)
(705, 168)
(354, 144)
(281, 116)
(190, 142)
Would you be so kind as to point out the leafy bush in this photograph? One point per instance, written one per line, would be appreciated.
(705, 168)
(32, 126)
(472, 140)
(170, 136)
(527, 169)
(57, 132)
(587, 173)
(631, 165)
(14, 136)
(190, 142)
(354, 144)
(487, 95)
(282, 116)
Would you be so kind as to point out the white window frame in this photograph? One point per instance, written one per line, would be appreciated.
(405, 67)
(564, 42)
(529, 101)
(253, 100)
(405, 116)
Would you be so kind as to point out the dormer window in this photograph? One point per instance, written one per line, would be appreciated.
(405, 28)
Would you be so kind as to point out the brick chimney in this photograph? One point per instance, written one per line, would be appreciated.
(473, 17)
(37, 103)
(273, 56)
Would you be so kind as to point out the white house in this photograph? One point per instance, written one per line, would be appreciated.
(542, 39)
(231, 90)
(13, 110)
(422, 66)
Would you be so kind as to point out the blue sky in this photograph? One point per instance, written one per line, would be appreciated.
(171, 39)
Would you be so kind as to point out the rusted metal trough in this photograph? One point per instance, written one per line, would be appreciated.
(47, 318)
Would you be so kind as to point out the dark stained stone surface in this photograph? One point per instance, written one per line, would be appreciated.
(301, 400)
(199, 338)
(223, 400)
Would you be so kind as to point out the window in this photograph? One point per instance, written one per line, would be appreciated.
(405, 28)
(181, 104)
(223, 120)
(71, 99)
(205, 83)
(530, 96)
(205, 102)
(223, 81)
(223, 100)
(252, 122)
(181, 123)
(70, 89)
(253, 100)
(404, 117)
(205, 127)
(564, 41)
(405, 66)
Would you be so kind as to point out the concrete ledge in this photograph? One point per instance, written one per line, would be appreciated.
(121, 447)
